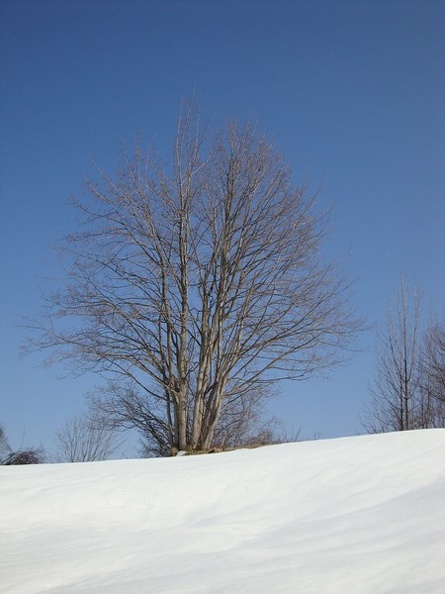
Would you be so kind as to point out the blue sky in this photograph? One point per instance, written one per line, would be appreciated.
(351, 92)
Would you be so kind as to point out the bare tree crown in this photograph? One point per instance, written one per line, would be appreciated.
(409, 391)
(197, 285)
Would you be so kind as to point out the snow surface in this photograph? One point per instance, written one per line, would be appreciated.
(352, 516)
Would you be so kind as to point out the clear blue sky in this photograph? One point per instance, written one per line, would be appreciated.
(352, 92)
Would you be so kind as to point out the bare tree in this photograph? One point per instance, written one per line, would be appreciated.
(242, 420)
(198, 285)
(22, 457)
(10, 457)
(394, 404)
(5, 448)
(87, 437)
(432, 373)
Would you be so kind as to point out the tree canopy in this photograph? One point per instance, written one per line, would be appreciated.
(194, 286)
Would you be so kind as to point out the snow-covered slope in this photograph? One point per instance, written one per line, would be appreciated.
(351, 516)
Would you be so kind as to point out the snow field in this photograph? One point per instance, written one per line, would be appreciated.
(359, 515)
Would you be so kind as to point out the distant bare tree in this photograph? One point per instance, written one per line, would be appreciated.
(86, 437)
(10, 457)
(197, 285)
(394, 404)
(5, 448)
(22, 457)
(433, 376)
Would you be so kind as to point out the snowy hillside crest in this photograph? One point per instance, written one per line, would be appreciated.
(361, 515)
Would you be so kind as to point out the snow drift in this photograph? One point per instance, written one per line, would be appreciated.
(349, 516)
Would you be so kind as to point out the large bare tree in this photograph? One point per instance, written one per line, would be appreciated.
(197, 285)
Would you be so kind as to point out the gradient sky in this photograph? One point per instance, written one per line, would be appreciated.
(351, 92)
